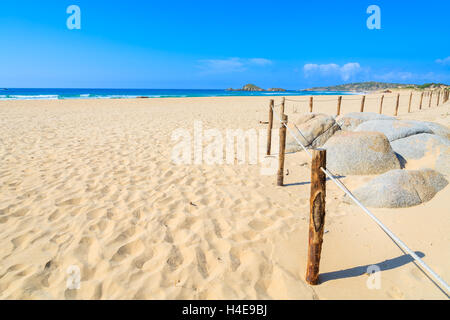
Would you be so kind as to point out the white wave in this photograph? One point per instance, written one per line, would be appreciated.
(34, 97)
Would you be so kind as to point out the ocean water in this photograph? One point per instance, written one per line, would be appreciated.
(55, 94)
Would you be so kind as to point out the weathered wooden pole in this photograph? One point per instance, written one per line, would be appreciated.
(316, 215)
(431, 97)
(410, 100)
(311, 104)
(397, 104)
(381, 104)
(362, 103)
(339, 105)
(280, 175)
(269, 128)
(282, 106)
(421, 100)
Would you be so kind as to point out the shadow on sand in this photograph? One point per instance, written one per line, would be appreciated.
(308, 182)
(358, 271)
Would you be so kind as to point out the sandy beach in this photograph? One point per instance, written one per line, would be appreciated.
(90, 183)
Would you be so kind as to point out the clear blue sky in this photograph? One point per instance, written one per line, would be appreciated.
(220, 44)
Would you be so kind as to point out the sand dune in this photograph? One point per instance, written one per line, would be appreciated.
(90, 183)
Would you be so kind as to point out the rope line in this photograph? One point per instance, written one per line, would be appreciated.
(293, 135)
(345, 98)
(400, 243)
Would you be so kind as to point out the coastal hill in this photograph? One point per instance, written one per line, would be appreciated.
(370, 86)
(252, 87)
(375, 86)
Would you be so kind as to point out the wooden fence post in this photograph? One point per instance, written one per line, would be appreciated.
(381, 104)
(280, 175)
(269, 128)
(397, 104)
(282, 106)
(410, 100)
(421, 100)
(431, 97)
(362, 103)
(311, 104)
(316, 215)
(339, 105)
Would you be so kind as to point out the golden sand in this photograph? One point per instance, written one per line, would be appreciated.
(90, 183)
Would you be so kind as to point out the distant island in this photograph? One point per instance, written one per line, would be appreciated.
(376, 86)
(252, 87)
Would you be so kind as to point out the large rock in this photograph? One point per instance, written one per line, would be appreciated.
(400, 188)
(360, 153)
(394, 129)
(443, 162)
(315, 128)
(436, 128)
(351, 121)
(424, 151)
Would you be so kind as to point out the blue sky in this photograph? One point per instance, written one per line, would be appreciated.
(221, 44)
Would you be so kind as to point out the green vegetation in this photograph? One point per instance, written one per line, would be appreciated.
(431, 85)
(251, 87)
(375, 86)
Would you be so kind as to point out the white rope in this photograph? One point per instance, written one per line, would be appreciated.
(289, 129)
(388, 232)
(373, 217)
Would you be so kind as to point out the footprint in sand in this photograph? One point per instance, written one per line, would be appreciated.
(22, 241)
(140, 261)
(130, 249)
(124, 236)
(103, 225)
(114, 214)
(396, 293)
(249, 235)
(175, 259)
(70, 202)
(260, 224)
(88, 250)
(21, 212)
(55, 215)
(235, 258)
(96, 213)
(201, 262)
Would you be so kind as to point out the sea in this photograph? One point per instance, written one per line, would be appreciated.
(61, 94)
